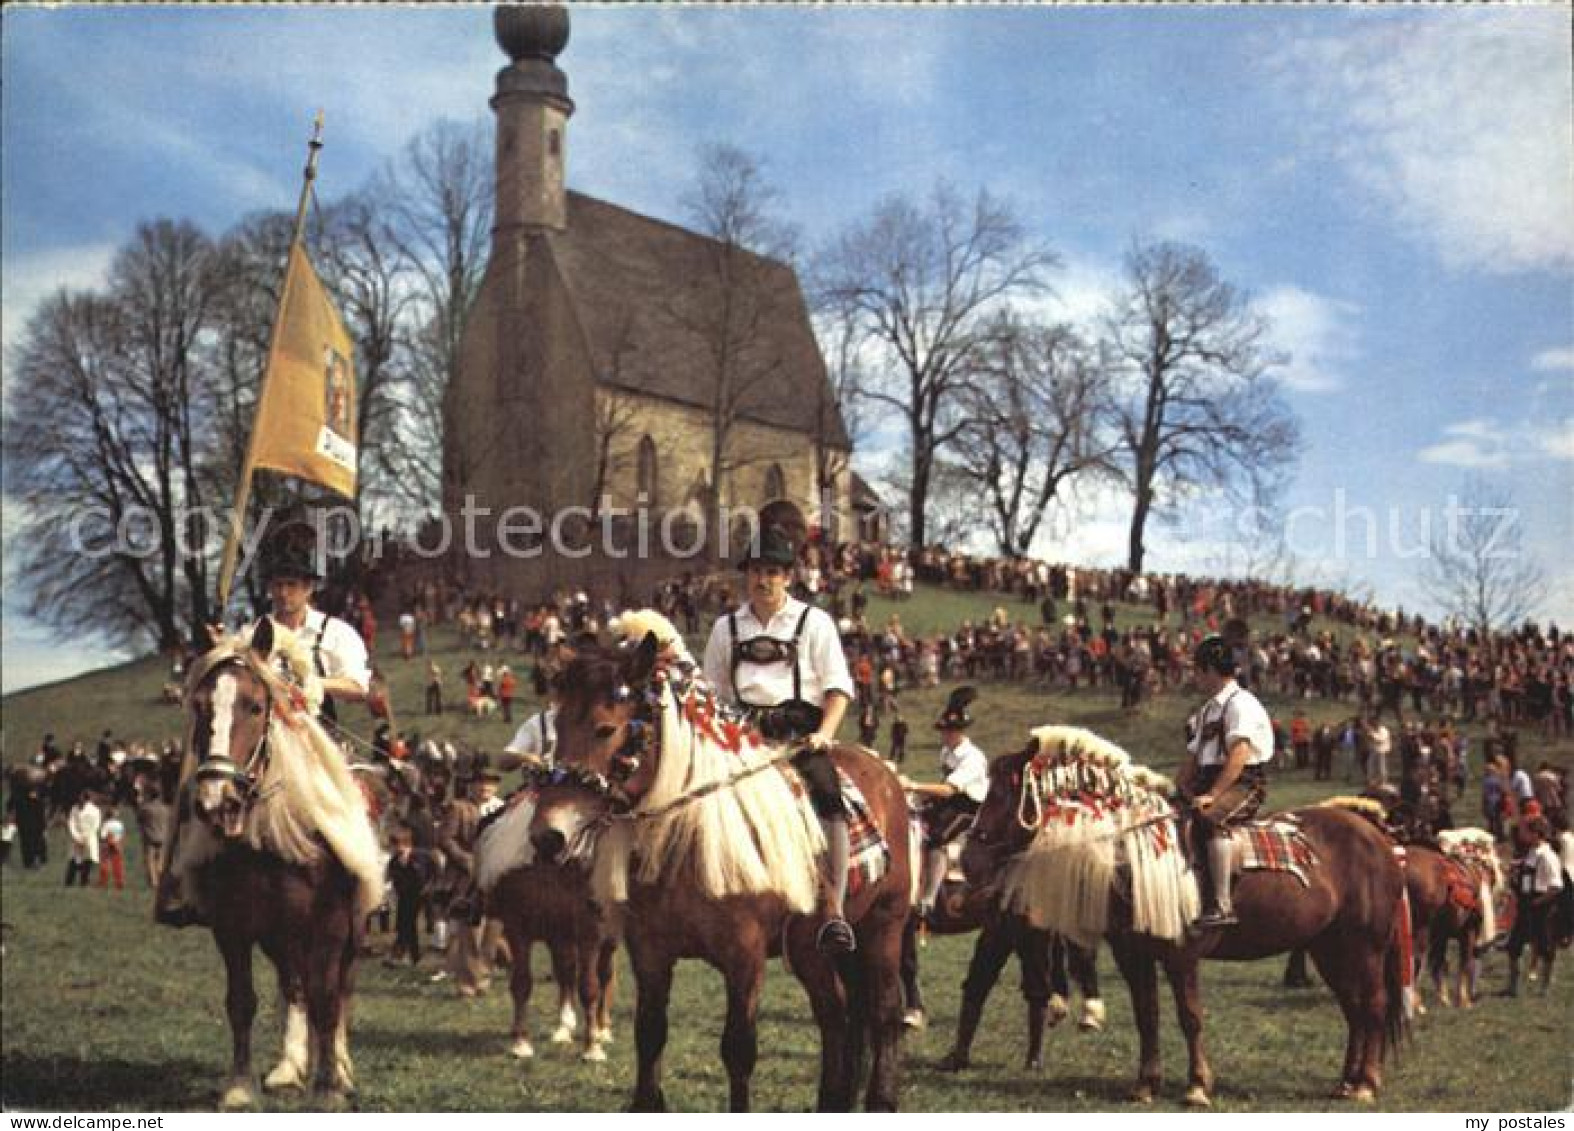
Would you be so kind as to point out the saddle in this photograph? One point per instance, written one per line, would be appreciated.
(869, 856)
(1268, 844)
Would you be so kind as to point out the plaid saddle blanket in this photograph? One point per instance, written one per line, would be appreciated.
(869, 857)
(1276, 845)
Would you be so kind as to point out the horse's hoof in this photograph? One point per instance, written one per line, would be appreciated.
(238, 1097)
(285, 1077)
(953, 1061)
(562, 1035)
(1142, 1094)
(1092, 1016)
(522, 1049)
(1059, 1010)
(333, 1099)
(603, 1036)
(595, 1054)
(1197, 1096)
(1365, 1094)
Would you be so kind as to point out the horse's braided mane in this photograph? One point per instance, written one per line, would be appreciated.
(750, 837)
(1096, 811)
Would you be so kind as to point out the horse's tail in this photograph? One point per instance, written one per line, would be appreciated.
(1397, 976)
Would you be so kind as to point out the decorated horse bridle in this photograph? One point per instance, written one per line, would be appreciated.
(642, 740)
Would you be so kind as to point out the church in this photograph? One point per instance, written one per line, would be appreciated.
(613, 361)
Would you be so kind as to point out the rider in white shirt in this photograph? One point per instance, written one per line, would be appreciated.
(951, 804)
(782, 662)
(1229, 745)
(291, 571)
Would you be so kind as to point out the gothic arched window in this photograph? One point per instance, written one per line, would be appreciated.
(646, 481)
(775, 483)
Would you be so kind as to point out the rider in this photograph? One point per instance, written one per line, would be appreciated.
(290, 569)
(1229, 742)
(954, 802)
(782, 662)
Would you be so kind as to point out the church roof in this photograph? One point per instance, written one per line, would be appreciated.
(645, 293)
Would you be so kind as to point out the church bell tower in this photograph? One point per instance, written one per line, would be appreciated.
(533, 108)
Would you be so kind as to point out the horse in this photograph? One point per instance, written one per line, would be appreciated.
(1453, 879)
(273, 848)
(1086, 843)
(1474, 882)
(547, 903)
(703, 850)
(1049, 964)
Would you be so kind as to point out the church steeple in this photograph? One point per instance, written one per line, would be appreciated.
(533, 108)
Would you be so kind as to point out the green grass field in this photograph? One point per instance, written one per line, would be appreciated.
(101, 1010)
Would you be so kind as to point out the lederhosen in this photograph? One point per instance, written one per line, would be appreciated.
(792, 720)
(1531, 922)
(329, 712)
(947, 818)
(1239, 803)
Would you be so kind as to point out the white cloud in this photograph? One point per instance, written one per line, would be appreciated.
(1487, 445)
(1317, 334)
(1554, 359)
(1558, 441)
(1460, 124)
(28, 279)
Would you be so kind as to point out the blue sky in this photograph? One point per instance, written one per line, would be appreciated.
(1392, 184)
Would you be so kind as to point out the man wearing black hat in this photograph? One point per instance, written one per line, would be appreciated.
(290, 571)
(782, 661)
(953, 802)
(1229, 743)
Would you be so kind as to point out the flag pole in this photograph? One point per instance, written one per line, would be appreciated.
(243, 489)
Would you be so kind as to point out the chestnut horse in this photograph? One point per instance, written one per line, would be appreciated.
(1085, 843)
(703, 850)
(1474, 883)
(272, 848)
(549, 903)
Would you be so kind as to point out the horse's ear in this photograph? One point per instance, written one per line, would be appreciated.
(642, 661)
(262, 638)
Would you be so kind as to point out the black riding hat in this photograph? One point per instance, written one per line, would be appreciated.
(290, 552)
(955, 716)
(1215, 655)
(782, 532)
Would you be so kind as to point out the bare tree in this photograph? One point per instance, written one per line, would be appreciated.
(359, 261)
(1199, 410)
(1477, 567)
(1039, 416)
(106, 439)
(924, 281)
(740, 293)
(838, 415)
(435, 205)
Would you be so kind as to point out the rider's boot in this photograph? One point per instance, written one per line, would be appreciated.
(836, 934)
(1220, 859)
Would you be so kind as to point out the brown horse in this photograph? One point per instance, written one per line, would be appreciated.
(1472, 883)
(704, 851)
(273, 849)
(547, 903)
(1088, 844)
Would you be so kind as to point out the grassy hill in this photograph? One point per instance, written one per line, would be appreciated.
(104, 1011)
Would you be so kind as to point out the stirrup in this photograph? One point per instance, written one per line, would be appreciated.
(836, 937)
(1214, 917)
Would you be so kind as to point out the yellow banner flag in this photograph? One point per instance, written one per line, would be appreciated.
(305, 423)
